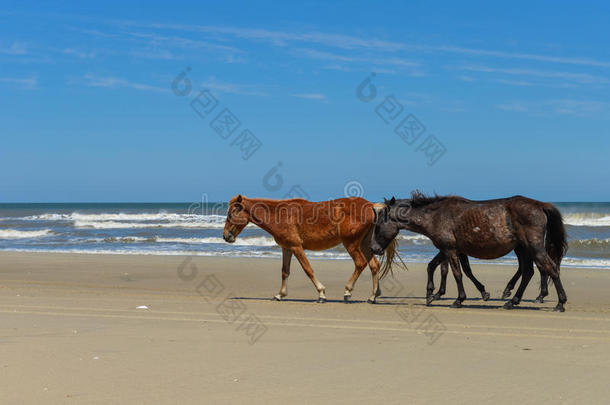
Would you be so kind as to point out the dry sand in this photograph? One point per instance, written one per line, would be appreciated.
(72, 333)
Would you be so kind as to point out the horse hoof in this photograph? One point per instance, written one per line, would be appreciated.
(277, 298)
(456, 304)
(321, 300)
(429, 300)
(509, 305)
(346, 298)
(559, 308)
(485, 295)
(539, 300)
(505, 294)
(371, 301)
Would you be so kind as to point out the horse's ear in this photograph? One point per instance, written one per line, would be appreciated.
(239, 198)
(393, 200)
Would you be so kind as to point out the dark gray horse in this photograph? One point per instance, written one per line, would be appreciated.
(482, 229)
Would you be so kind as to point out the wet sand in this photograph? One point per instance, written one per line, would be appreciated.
(208, 332)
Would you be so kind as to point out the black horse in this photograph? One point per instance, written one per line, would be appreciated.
(482, 229)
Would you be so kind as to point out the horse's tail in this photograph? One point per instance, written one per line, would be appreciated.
(555, 239)
(390, 256)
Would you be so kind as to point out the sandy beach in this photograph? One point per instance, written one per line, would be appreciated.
(170, 329)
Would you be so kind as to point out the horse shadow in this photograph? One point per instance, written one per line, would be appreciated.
(469, 303)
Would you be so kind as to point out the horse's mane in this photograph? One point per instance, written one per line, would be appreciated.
(419, 199)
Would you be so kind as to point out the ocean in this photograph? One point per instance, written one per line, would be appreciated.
(196, 229)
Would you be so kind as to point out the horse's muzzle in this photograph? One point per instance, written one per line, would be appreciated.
(377, 250)
(228, 237)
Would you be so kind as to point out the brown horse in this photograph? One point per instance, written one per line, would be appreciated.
(297, 225)
(482, 229)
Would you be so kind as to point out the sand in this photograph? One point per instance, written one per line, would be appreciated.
(133, 329)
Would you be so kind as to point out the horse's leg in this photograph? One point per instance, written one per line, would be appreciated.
(457, 274)
(365, 246)
(360, 262)
(374, 266)
(527, 271)
(544, 286)
(302, 258)
(513, 281)
(544, 262)
(443, 288)
(468, 271)
(286, 258)
(440, 257)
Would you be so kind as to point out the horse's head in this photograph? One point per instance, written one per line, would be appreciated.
(388, 217)
(237, 219)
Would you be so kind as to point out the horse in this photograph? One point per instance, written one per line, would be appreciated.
(464, 262)
(482, 229)
(298, 224)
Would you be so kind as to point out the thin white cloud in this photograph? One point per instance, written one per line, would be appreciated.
(571, 107)
(310, 96)
(28, 83)
(162, 54)
(282, 38)
(115, 82)
(78, 53)
(515, 82)
(233, 88)
(465, 78)
(513, 106)
(582, 78)
(528, 56)
(381, 60)
(176, 41)
(577, 107)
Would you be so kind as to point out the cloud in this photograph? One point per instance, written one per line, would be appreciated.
(79, 54)
(162, 54)
(513, 106)
(571, 107)
(342, 41)
(515, 82)
(310, 96)
(280, 38)
(581, 78)
(181, 42)
(577, 107)
(114, 82)
(233, 88)
(29, 83)
(465, 78)
(518, 55)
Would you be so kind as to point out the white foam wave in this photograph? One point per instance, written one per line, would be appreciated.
(417, 239)
(587, 219)
(15, 234)
(126, 221)
(202, 224)
(250, 241)
(152, 216)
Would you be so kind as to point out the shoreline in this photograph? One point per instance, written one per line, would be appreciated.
(233, 255)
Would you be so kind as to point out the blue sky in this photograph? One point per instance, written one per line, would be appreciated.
(517, 97)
